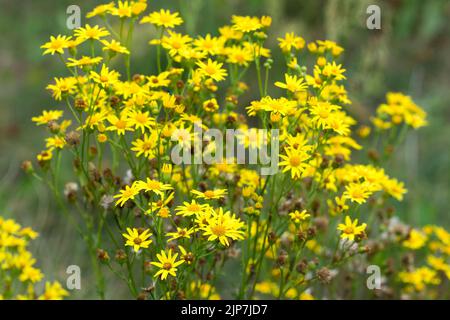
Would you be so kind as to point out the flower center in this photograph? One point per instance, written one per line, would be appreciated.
(167, 266)
(295, 161)
(219, 230)
(209, 194)
(138, 241)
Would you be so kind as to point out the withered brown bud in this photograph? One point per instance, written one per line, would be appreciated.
(338, 161)
(142, 296)
(373, 155)
(27, 166)
(281, 259)
(311, 232)
(53, 127)
(80, 104)
(301, 235)
(70, 191)
(315, 206)
(302, 266)
(120, 256)
(138, 78)
(102, 255)
(180, 84)
(114, 101)
(324, 275)
(321, 223)
(73, 138)
(325, 162)
(272, 237)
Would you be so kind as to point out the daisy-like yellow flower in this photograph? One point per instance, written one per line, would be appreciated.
(223, 226)
(210, 194)
(83, 61)
(357, 192)
(62, 87)
(137, 239)
(290, 41)
(175, 42)
(188, 257)
(189, 209)
(101, 10)
(141, 120)
(159, 80)
(145, 146)
(120, 125)
(163, 18)
(246, 24)
(180, 233)
(44, 156)
(416, 240)
(123, 10)
(53, 291)
(153, 186)
(114, 46)
(56, 45)
(106, 77)
(292, 84)
(294, 161)
(55, 142)
(47, 116)
(90, 33)
(241, 56)
(212, 70)
(211, 105)
(209, 45)
(126, 194)
(350, 229)
(333, 70)
(167, 264)
(298, 216)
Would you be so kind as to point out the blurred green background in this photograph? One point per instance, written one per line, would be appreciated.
(409, 54)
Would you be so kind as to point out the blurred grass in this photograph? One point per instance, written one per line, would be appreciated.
(410, 54)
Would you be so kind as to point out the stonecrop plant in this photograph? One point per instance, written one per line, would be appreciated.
(224, 229)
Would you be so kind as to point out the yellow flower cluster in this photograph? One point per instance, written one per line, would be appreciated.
(185, 221)
(18, 273)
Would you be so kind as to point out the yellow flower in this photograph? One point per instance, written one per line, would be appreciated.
(145, 146)
(295, 161)
(56, 45)
(124, 10)
(180, 233)
(47, 116)
(120, 125)
(246, 24)
(153, 186)
(55, 142)
(223, 226)
(126, 194)
(141, 120)
(167, 264)
(163, 18)
(84, 61)
(211, 105)
(293, 84)
(210, 194)
(212, 70)
(31, 274)
(114, 46)
(298, 216)
(175, 42)
(334, 71)
(62, 86)
(357, 192)
(136, 239)
(189, 209)
(53, 291)
(209, 45)
(90, 33)
(290, 41)
(101, 10)
(416, 240)
(105, 78)
(351, 229)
